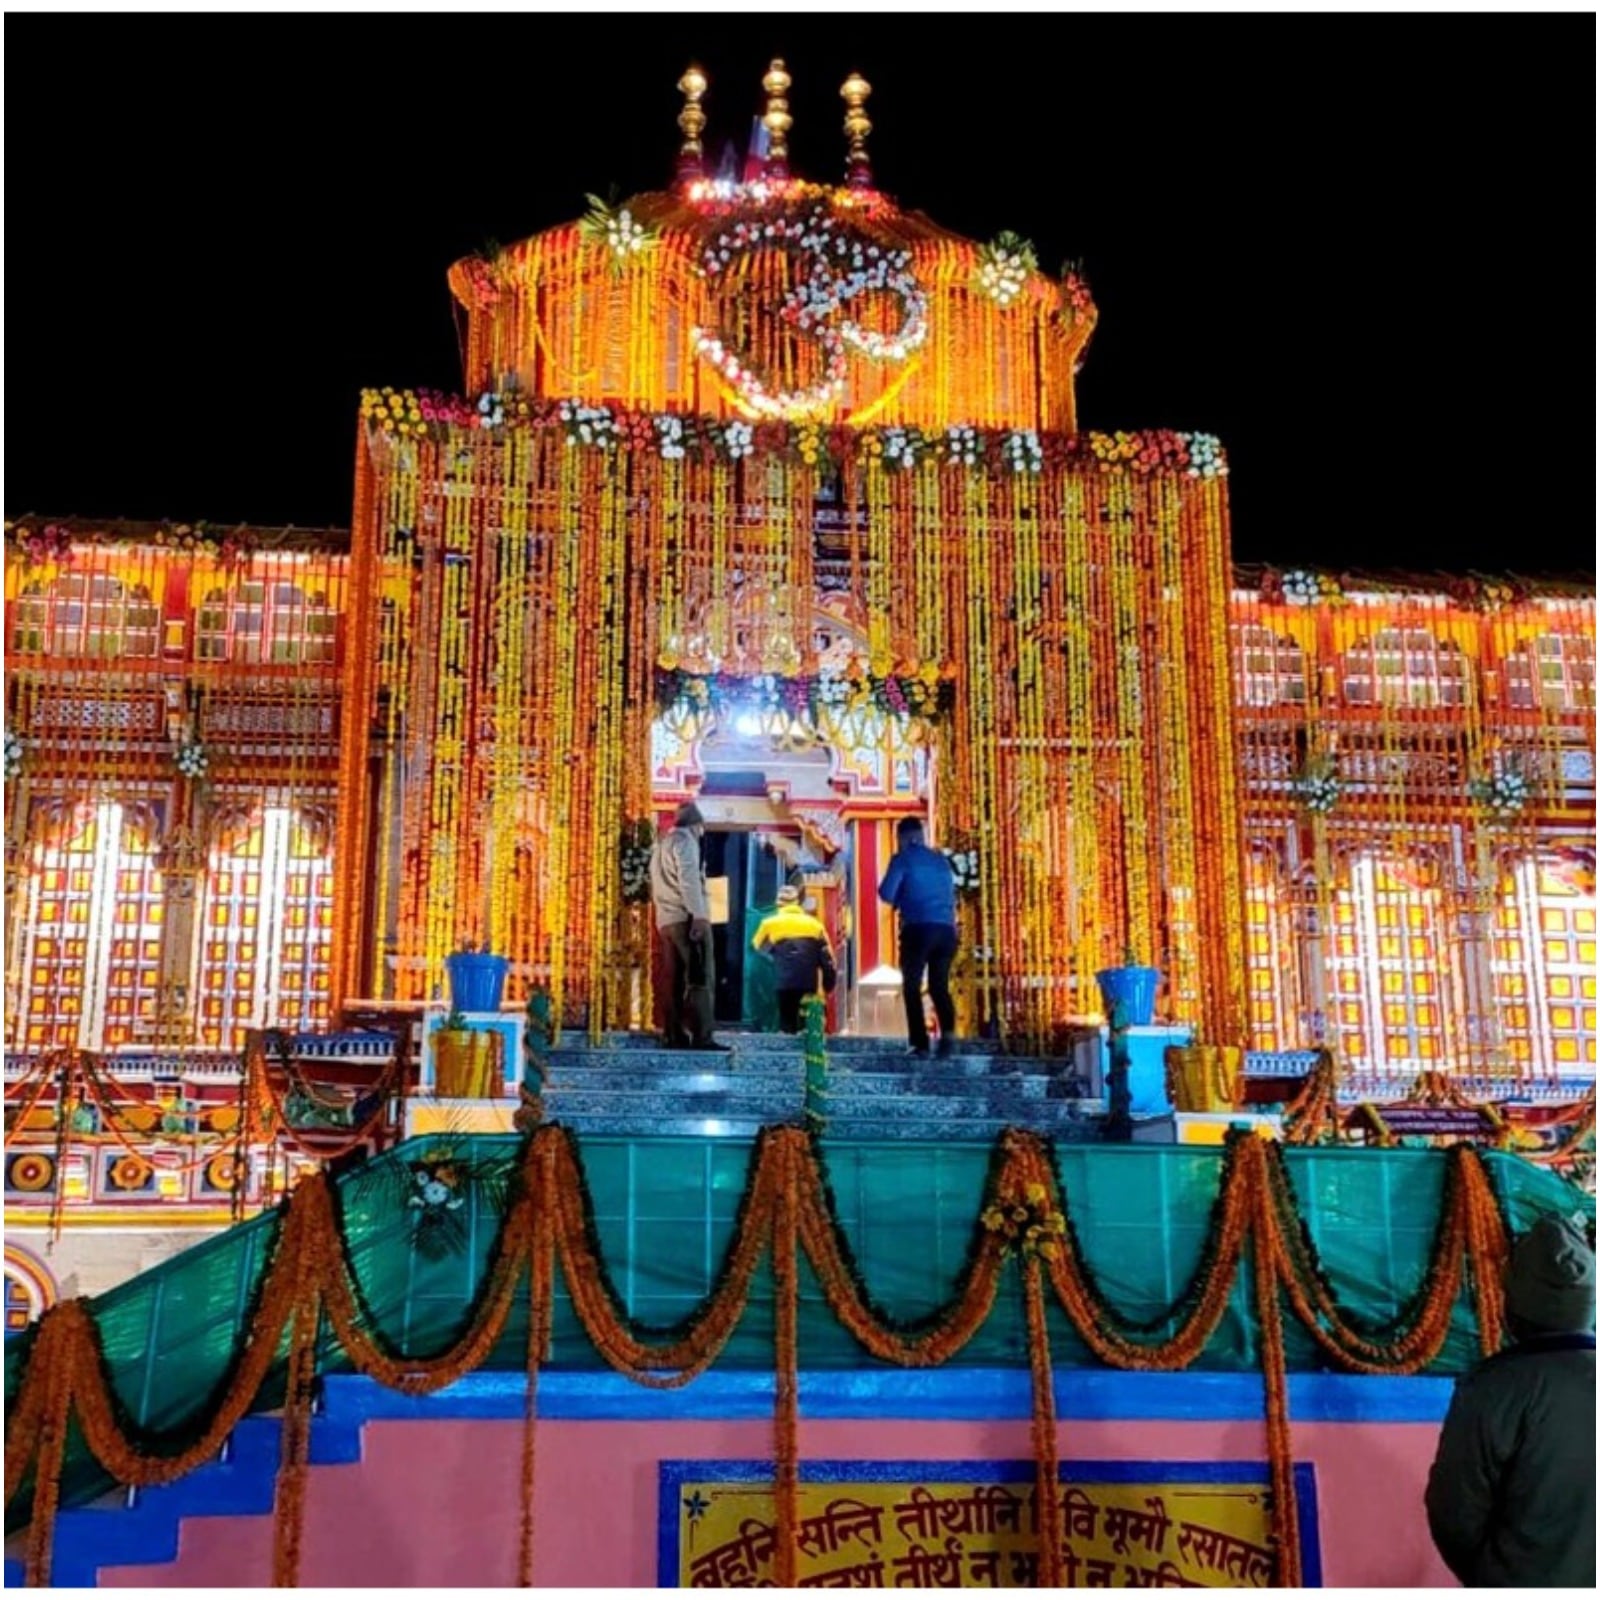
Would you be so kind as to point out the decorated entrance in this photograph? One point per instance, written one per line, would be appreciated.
(801, 779)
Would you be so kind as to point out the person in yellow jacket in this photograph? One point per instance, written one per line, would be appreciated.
(798, 946)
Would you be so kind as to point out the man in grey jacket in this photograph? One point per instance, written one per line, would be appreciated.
(1511, 1495)
(683, 922)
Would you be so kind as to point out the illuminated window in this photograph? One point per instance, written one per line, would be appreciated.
(1405, 667)
(85, 614)
(265, 621)
(266, 928)
(1555, 671)
(1387, 966)
(1269, 956)
(1268, 670)
(91, 948)
(1543, 964)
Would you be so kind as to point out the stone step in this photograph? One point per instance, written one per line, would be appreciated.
(922, 1109)
(767, 1043)
(967, 1130)
(682, 1062)
(627, 1079)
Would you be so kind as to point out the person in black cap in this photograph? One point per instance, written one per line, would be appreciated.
(921, 886)
(1511, 1495)
(683, 922)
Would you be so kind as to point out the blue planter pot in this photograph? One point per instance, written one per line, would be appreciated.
(476, 981)
(1134, 989)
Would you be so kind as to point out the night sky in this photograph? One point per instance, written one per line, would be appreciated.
(1358, 248)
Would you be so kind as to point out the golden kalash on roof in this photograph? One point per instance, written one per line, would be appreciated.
(773, 297)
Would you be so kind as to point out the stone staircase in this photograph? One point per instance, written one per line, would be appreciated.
(873, 1090)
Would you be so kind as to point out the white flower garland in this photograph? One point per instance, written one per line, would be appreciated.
(837, 270)
(592, 425)
(1022, 451)
(964, 868)
(1503, 794)
(1206, 459)
(1004, 267)
(1300, 588)
(1319, 789)
(15, 752)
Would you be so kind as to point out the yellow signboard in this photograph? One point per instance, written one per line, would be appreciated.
(1159, 1528)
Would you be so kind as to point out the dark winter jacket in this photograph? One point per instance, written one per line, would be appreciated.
(798, 945)
(1512, 1493)
(921, 886)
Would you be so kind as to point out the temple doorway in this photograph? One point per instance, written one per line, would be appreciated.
(784, 807)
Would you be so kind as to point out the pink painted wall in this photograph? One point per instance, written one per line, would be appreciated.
(435, 1503)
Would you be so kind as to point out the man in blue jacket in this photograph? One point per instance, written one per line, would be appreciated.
(922, 888)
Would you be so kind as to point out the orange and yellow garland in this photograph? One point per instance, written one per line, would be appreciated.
(786, 1211)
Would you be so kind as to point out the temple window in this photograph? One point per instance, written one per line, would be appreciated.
(1268, 955)
(1405, 667)
(85, 614)
(266, 927)
(1543, 964)
(1388, 966)
(1554, 671)
(266, 622)
(91, 945)
(1270, 670)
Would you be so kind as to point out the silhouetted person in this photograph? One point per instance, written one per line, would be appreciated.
(683, 922)
(921, 886)
(1511, 1495)
(798, 945)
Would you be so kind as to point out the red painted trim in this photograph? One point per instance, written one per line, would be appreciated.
(866, 909)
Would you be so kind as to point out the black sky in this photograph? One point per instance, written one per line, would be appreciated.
(1360, 248)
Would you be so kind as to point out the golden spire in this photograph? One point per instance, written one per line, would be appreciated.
(692, 120)
(858, 170)
(777, 119)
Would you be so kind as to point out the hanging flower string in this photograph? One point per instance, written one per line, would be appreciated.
(787, 1208)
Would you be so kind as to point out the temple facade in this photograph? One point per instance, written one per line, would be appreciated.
(774, 495)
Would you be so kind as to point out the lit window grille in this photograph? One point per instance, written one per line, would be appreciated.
(91, 939)
(268, 622)
(266, 930)
(1268, 670)
(85, 614)
(1554, 671)
(1405, 667)
(1388, 968)
(1543, 967)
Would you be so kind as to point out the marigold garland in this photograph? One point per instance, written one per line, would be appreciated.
(787, 1208)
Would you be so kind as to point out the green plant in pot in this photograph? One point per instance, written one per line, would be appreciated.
(466, 1060)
